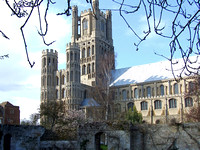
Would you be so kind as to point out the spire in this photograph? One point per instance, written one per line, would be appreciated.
(95, 5)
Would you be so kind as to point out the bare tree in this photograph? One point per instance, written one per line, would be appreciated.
(193, 114)
(102, 91)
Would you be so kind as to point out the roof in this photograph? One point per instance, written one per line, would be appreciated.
(3, 104)
(89, 102)
(148, 72)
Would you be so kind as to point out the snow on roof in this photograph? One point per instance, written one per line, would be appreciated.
(148, 72)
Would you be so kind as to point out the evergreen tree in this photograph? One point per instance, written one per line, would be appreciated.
(134, 116)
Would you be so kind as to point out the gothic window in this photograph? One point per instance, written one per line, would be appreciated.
(88, 52)
(83, 70)
(162, 90)
(83, 53)
(92, 49)
(92, 67)
(75, 56)
(124, 94)
(135, 93)
(44, 62)
(172, 103)
(130, 106)
(49, 61)
(148, 91)
(63, 93)
(56, 94)
(191, 86)
(71, 56)
(63, 79)
(144, 105)
(188, 102)
(71, 76)
(118, 108)
(88, 69)
(57, 80)
(157, 104)
(67, 76)
(67, 56)
(176, 88)
(85, 26)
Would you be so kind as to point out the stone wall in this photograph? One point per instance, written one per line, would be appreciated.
(117, 136)
(16, 137)
(58, 145)
(140, 137)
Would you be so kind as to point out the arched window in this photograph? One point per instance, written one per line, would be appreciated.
(67, 56)
(118, 108)
(75, 57)
(44, 62)
(71, 56)
(135, 93)
(67, 76)
(49, 61)
(57, 80)
(130, 106)
(162, 90)
(176, 88)
(92, 67)
(88, 69)
(83, 53)
(71, 76)
(188, 102)
(148, 91)
(85, 26)
(63, 93)
(157, 104)
(88, 52)
(63, 79)
(191, 87)
(83, 70)
(124, 94)
(57, 95)
(172, 103)
(92, 49)
(144, 105)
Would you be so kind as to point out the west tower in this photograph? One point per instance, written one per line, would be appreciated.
(92, 30)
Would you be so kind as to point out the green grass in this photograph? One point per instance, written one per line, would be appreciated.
(103, 147)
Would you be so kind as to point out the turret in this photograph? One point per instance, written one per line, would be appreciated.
(74, 23)
(109, 26)
(48, 68)
(73, 62)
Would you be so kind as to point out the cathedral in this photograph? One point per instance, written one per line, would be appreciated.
(151, 87)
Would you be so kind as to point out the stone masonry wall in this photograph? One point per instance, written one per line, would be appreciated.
(141, 137)
(17, 137)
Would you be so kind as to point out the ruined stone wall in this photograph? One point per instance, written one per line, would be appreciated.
(176, 136)
(141, 137)
(16, 137)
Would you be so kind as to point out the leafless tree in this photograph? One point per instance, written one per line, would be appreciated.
(193, 114)
(183, 35)
(102, 91)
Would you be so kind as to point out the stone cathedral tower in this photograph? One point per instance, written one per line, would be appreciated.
(92, 30)
(91, 37)
(49, 66)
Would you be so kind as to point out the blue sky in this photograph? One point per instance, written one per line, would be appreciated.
(20, 84)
